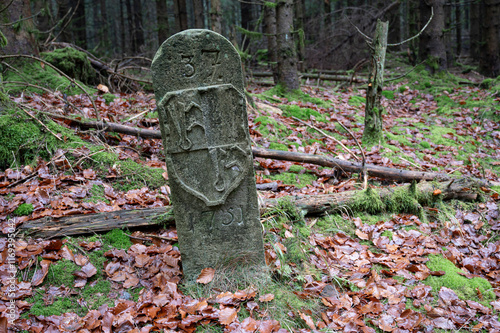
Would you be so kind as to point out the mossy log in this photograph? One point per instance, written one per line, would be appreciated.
(406, 198)
(345, 166)
(321, 76)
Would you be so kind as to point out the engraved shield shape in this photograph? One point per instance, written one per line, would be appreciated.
(208, 162)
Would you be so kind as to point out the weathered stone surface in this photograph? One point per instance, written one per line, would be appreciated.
(201, 105)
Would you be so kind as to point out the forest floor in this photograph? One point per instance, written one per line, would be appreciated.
(350, 271)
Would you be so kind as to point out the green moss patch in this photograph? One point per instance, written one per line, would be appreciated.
(356, 100)
(23, 209)
(294, 95)
(278, 146)
(73, 63)
(466, 289)
(117, 239)
(269, 126)
(298, 180)
(303, 113)
(46, 77)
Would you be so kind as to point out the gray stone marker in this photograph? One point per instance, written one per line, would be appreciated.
(201, 104)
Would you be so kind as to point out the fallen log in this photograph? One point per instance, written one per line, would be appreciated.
(324, 77)
(406, 198)
(345, 166)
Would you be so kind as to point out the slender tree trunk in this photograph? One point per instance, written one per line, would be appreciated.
(19, 41)
(299, 25)
(216, 15)
(372, 133)
(489, 61)
(449, 29)
(476, 18)
(287, 57)
(104, 26)
(62, 10)
(246, 22)
(432, 47)
(138, 28)
(272, 46)
(459, 22)
(122, 27)
(180, 13)
(199, 22)
(327, 11)
(162, 19)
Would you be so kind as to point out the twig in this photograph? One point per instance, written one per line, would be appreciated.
(20, 20)
(130, 78)
(402, 76)
(8, 5)
(159, 237)
(138, 115)
(328, 136)
(412, 38)
(415, 165)
(364, 172)
(44, 126)
(58, 71)
(368, 39)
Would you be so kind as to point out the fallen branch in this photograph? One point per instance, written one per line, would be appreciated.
(320, 76)
(49, 227)
(345, 166)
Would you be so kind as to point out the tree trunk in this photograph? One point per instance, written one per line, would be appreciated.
(199, 22)
(299, 27)
(272, 46)
(372, 133)
(246, 22)
(138, 34)
(287, 57)
(476, 17)
(122, 27)
(216, 15)
(432, 47)
(19, 41)
(489, 60)
(162, 19)
(458, 22)
(180, 13)
(49, 227)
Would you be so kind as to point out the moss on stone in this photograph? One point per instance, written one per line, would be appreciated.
(466, 289)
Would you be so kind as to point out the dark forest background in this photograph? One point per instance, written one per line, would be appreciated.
(325, 32)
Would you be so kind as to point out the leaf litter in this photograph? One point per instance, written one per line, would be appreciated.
(370, 280)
